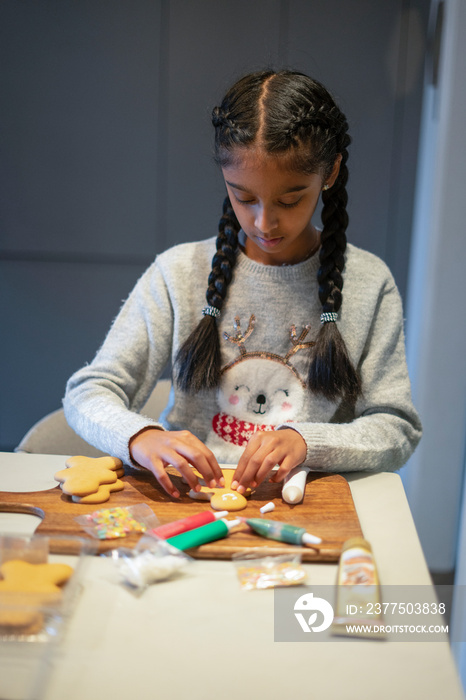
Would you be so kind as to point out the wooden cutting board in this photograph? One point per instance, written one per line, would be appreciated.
(327, 511)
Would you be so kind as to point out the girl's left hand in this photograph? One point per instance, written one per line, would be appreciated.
(264, 450)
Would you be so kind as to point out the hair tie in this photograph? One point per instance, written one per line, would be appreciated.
(328, 317)
(218, 117)
(211, 311)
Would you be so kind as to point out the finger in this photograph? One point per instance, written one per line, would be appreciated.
(259, 466)
(217, 472)
(295, 450)
(264, 471)
(203, 466)
(184, 468)
(284, 469)
(236, 478)
(201, 458)
(266, 450)
(157, 468)
(250, 462)
(242, 465)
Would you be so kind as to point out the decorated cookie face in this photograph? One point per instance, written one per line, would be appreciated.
(261, 391)
(221, 498)
(228, 500)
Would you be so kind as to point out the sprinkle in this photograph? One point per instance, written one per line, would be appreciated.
(272, 575)
(112, 523)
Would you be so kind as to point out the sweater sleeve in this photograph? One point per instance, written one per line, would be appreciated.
(386, 428)
(103, 398)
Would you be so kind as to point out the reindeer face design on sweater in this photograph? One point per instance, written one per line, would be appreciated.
(268, 393)
(259, 390)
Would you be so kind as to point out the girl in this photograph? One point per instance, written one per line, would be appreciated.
(280, 367)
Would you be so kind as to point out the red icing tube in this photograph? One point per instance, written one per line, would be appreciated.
(189, 523)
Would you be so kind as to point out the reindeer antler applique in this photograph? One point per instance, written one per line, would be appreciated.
(297, 342)
(239, 339)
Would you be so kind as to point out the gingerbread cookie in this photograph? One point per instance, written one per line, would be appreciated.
(22, 624)
(85, 475)
(19, 614)
(112, 463)
(24, 588)
(221, 498)
(101, 495)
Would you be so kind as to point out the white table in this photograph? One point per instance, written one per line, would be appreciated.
(189, 637)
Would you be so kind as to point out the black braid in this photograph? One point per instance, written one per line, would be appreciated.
(225, 257)
(198, 361)
(333, 240)
(331, 371)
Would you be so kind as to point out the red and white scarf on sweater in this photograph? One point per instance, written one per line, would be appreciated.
(237, 431)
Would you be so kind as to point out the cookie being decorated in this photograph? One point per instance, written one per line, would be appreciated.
(221, 498)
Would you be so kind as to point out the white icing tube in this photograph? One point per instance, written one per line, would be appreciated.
(295, 484)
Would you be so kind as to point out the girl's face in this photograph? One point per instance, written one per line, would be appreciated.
(274, 206)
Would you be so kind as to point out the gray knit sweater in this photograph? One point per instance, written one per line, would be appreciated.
(270, 318)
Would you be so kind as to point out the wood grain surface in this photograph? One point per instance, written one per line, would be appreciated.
(327, 511)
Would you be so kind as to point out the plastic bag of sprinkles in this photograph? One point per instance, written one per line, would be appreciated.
(120, 521)
(261, 572)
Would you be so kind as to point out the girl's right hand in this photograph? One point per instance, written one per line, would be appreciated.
(155, 449)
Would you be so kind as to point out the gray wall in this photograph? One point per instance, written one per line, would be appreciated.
(434, 478)
(105, 151)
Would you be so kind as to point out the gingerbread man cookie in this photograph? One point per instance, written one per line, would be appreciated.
(26, 587)
(101, 495)
(221, 498)
(85, 475)
(112, 463)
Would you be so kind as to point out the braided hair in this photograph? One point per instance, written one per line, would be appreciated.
(289, 114)
(198, 361)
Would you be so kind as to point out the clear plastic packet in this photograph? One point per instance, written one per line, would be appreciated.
(257, 572)
(151, 561)
(120, 521)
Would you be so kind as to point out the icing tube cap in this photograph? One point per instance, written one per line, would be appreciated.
(232, 523)
(311, 539)
(268, 507)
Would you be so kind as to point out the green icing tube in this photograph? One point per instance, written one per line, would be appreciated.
(283, 532)
(204, 534)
